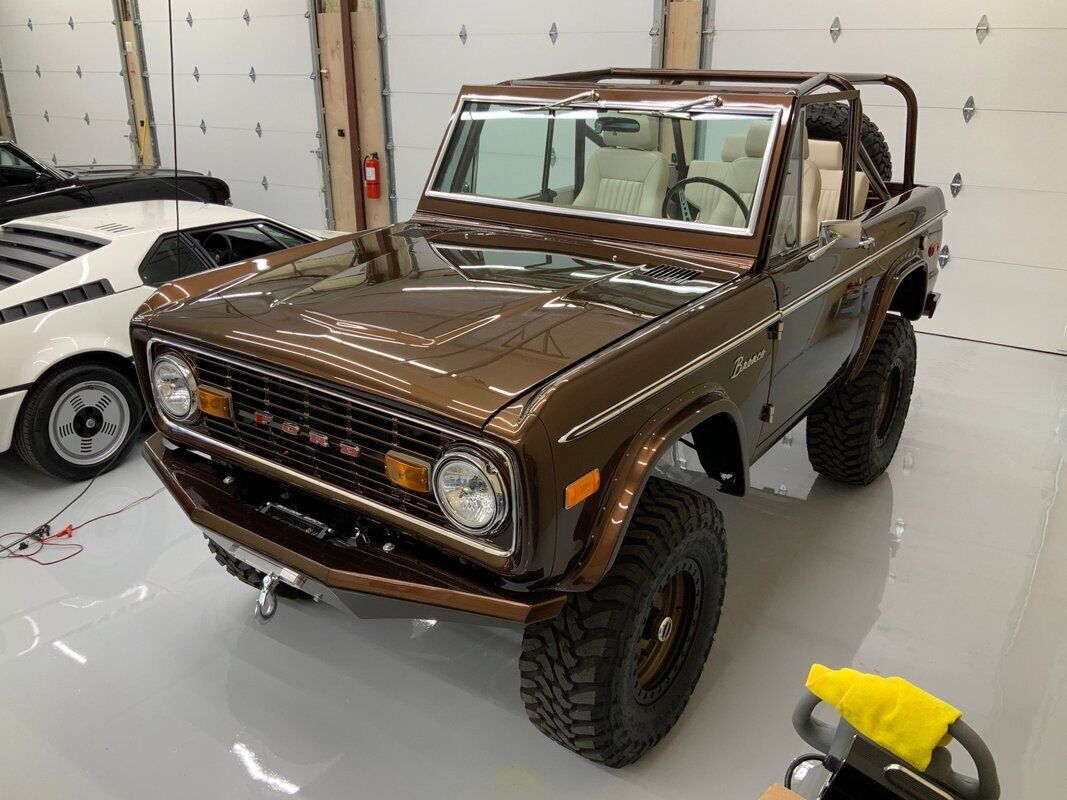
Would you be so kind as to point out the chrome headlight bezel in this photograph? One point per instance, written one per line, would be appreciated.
(493, 478)
(186, 373)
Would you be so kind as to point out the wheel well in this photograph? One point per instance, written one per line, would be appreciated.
(121, 363)
(910, 296)
(718, 445)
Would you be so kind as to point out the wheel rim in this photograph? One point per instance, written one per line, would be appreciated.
(89, 423)
(888, 402)
(667, 633)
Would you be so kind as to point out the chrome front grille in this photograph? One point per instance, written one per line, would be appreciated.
(317, 433)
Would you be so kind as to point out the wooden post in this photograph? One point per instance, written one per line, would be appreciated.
(684, 20)
(145, 133)
(351, 96)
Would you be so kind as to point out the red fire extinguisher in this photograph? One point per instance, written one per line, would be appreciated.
(370, 176)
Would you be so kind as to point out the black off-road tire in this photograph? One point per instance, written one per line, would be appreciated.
(854, 429)
(250, 575)
(32, 440)
(580, 670)
(830, 121)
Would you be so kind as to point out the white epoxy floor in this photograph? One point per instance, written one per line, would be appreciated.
(136, 670)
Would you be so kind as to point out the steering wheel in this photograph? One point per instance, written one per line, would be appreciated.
(683, 202)
(220, 248)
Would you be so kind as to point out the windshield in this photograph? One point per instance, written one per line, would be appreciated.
(703, 170)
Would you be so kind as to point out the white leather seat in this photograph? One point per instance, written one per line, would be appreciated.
(829, 157)
(629, 174)
(810, 187)
(704, 195)
(742, 175)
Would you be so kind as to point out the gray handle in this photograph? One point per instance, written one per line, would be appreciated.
(987, 786)
(818, 734)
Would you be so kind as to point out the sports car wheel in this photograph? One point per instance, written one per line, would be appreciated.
(77, 420)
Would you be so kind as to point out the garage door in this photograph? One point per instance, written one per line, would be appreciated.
(245, 78)
(432, 49)
(63, 75)
(1006, 280)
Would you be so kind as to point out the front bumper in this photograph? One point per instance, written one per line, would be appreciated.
(365, 580)
(10, 404)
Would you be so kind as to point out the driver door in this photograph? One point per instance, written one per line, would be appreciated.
(819, 293)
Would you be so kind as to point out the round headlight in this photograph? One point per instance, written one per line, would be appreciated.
(469, 491)
(174, 386)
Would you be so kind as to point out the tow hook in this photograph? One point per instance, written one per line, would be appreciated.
(267, 603)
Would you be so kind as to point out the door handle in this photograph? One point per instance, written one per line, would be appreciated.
(866, 242)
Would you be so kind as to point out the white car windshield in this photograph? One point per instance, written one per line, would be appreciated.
(611, 163)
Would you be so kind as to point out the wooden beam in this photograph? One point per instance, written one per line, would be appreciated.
(352, 90)
(684, 20)
(145, 146)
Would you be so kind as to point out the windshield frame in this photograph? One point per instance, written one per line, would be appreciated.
(655, 106)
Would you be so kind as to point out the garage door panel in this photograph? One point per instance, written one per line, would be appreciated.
(1016, 226)
(1000, 303)
(71, 143)
(59, 50)
(246, 154)
(943, 66)
(413, 168)
(223, 48)
(1012, 150)
(412, 113)
(902, 14)
(418, 18)
(227, 46)
(297, 206)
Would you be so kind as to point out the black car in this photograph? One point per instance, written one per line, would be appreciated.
(29, 186)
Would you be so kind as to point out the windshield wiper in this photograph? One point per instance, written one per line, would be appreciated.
(592, 95)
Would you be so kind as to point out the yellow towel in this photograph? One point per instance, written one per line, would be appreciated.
(897, 715)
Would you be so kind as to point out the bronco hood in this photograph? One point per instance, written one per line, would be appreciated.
(455, 321)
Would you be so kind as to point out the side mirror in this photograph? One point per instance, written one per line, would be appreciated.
(843, 232)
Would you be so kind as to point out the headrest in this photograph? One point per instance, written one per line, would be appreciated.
(632, 131)
(826, 155)
(733, 147)
(756, 140)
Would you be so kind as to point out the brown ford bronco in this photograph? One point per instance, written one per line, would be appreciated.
(457, 416)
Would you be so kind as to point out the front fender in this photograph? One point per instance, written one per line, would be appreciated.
(606, 523)
(30, 347)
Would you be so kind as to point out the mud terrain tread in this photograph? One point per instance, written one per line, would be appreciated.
(830, 121)
(246, 574)
(841, 425)
(567, 664)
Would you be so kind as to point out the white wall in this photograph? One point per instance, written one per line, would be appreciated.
(1007, 278)
(428, 63)
(59, 50)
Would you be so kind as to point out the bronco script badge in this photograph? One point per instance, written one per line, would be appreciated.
(743, 363)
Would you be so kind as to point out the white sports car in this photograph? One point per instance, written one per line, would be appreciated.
(69, 284)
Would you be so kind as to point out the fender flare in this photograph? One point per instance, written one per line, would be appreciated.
(622, 491)
(887, 290)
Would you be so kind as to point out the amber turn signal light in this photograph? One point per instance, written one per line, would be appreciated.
(582, 488)
(407, 471)
(215, 402)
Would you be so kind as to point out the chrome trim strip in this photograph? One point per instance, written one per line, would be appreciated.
(757, 199)
(625, 405)
(374, 506)
(692, 366)
(793, 305)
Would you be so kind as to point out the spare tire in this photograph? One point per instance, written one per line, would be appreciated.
(830, 121)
